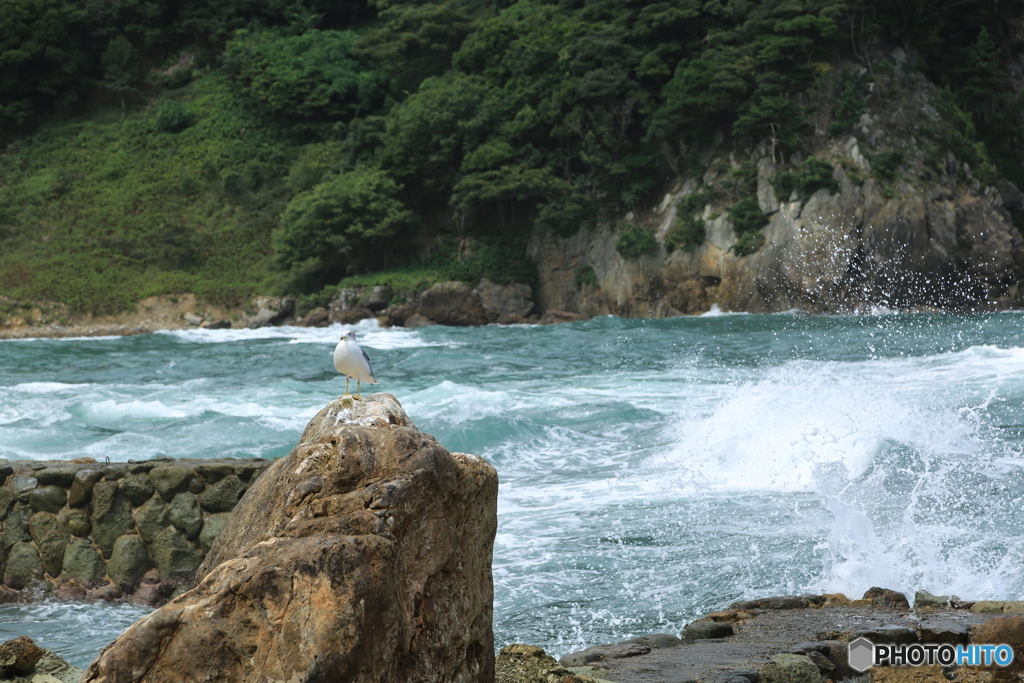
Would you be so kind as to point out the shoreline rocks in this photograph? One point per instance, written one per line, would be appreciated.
(363, 555)
(788, 639)
(22, 661)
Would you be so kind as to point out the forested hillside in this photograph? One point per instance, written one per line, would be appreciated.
(233, 148)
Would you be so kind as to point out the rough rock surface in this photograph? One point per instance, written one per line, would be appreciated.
(364, 555)
(950, 245)
(453, 303)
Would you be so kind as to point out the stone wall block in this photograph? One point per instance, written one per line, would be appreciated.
(16, 526)
(51, 536)
(151, 518)
(137, 488)
(83, 563)
(212, 527)
(23, 485)
(171, 480)
(24, 567)
(129, 562)
(222, 496)
(63, 476)
(77, 521)
(215, 471)
(48, 499)
(175, 558)
(185, 515)
(111, 515)
(81, 487)
(6, 500)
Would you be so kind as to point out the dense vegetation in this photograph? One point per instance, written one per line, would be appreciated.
(233, 147)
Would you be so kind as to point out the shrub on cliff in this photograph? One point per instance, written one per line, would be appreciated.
(687, 234)
(634, 241)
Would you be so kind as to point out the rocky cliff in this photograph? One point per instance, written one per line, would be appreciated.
(363, 555)
(897, 219)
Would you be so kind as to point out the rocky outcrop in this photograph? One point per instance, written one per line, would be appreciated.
(363, 555)
(22, 661)
(949, 247)
(85, 529)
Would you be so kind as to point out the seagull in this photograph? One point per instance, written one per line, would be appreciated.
(352, 361)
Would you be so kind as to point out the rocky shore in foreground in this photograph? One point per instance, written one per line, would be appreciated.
(789, 639)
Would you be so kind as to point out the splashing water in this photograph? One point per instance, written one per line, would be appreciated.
(650, 471)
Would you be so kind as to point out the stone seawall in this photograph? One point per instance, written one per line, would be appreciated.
(139, 529)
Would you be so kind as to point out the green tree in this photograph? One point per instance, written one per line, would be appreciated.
(340, 227)
(121, 67)
(42, 61)
(312, 76)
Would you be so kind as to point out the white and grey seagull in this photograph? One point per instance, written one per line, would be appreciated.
(352, 361)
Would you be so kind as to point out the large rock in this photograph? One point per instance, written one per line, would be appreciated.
(185, 515)
(51, 536)
(24, 567)
(111, 515)
(503, 301)
(453, 303)
(175, 558)
(364, 555)
(128, 562)
(16, 525)
(270, 310)
(222, 496)
(151, 518)
(83, 564)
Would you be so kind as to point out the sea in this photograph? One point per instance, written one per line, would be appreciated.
(650, 471)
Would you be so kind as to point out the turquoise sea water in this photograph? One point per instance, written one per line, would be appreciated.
(650, 471)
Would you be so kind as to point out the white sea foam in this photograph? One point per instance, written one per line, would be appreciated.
(371, 334)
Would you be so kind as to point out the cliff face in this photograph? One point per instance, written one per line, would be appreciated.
(913, 228)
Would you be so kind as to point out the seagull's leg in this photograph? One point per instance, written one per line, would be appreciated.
(346, 383)
(359, 388)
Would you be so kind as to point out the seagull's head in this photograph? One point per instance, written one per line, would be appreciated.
(348, 334)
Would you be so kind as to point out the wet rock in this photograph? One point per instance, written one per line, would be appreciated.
(213, 472)
(50, 668)
(786, 668)
(71, 590)
(418, 320)
(114, 472)
(318, 317)
(24, 567)
(137, 489)
(83, 563)
(81, 488)
(505, 300)
(128, 562)
(302, 549)
(148, 594)
(883, 597)
(16, 525)
(6, 500)
(888, 634)
(942, 632)
(111, 515)
(104, 593)
(270, 310)
(196, 485)
(732, 615)
(212, 528)
(452, 303)
(217, 325)
(18, 656)
(59, 475)
(151, 518)
(51, 537)
(656, 640)
(23, 485)
(554, 316)
(170, 480)
(222, 496)
(184, 514)
(174, 557)
(777, 602)
(702, 630)
(603, 652)
(77, 522)
(47, 499)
